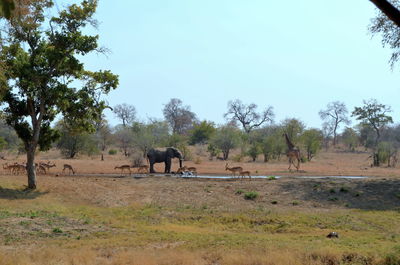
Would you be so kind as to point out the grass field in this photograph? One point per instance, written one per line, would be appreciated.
(108, 219)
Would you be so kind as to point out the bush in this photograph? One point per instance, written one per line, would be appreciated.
(197, 161)
(239, 191)
(112, 152)
(251, 195)
(237, 158)
(57, 230)
(137, 159)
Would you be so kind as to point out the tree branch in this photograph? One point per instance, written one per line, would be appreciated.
(389, 10)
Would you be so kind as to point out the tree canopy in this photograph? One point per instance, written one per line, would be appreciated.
(44, 77)
(247, 115)
(334, 114)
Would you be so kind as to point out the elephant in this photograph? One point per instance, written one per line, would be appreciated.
(157, 156)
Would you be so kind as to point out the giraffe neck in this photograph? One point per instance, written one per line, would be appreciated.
(289, 143)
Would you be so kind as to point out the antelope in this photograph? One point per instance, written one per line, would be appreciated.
(47, 165)
(193, 170)
(245, 173)
(41, 169)
(143, 169)
(123, 167)
(17, 168)
(233, 169)
(187, 171)
(181, 170)
(7, 167)
(69, 167)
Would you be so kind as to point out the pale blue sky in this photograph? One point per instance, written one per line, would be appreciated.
(294, 55)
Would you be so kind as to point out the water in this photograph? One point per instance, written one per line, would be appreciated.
(272, 177)
(227, 177)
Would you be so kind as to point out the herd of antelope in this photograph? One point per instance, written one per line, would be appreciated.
(41, 168)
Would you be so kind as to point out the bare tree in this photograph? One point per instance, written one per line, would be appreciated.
(334, 114)
(103, 135)
(179, 117)
(126, 113)
(123, 137)
(247, 115)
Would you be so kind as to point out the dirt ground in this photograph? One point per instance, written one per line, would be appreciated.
(331, 163)
(98, 182)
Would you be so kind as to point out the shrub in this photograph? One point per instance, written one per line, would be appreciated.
(344, 189)
(112, 152)
(237, 158)
(332, 190)
(271, 178)
(197, 161)
(295, 203)
(274, 202)
(137, 159)
(251, 195)
(239, 191)
(57, 230)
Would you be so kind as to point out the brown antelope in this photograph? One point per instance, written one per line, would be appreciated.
(40, 169)
(193, 170)
(143, 169)
(233, 169)
(123, 167)
(245, 173)
(181, 170)
(47, 165)
(7, 167)
(17, 168)
(69, 167)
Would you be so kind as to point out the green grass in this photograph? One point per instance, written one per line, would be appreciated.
(251, 195)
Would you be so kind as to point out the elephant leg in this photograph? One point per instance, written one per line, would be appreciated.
(167, 165)
(152, 167)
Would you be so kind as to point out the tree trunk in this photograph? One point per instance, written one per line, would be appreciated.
(226, 154)
(376, 161)
(30, 167)
(389, 10)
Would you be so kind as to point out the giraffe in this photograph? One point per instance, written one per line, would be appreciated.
(293, 153)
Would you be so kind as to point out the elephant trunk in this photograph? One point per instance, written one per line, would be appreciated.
(180, 162)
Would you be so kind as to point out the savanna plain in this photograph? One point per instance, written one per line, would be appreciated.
(101, 216)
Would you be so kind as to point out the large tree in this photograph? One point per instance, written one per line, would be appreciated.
(334, 114)
(247, 115)
(226, 138)
(44, 76)
(374, 114)
(179, 117)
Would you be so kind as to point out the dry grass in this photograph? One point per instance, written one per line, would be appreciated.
(106, 219)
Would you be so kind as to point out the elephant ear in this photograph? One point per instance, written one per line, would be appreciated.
(178, 153)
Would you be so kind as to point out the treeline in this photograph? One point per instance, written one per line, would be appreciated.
(251, 133)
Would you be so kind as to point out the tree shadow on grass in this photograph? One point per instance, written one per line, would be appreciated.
(20, 194)
(370, 194)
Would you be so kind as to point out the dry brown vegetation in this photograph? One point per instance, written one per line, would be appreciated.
(100, 217)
